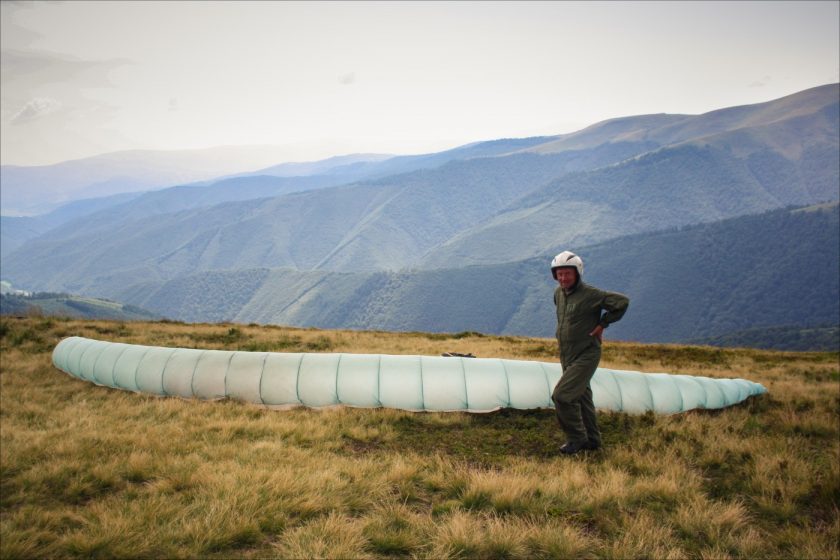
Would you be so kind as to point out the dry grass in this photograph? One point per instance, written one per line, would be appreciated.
(91, 472)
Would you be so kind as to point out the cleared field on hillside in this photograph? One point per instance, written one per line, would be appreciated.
(87, 471)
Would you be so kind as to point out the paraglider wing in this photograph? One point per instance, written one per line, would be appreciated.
(415, 383)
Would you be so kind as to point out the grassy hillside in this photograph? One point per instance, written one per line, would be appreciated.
(666, 129)
(87, 471)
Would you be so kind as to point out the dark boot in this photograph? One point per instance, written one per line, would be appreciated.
(572, 447)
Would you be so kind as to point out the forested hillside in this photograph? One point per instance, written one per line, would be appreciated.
(722, 171)
(820, 338)
(665, 188)
(775, 269)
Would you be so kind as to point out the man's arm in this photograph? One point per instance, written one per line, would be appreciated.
(615, 305)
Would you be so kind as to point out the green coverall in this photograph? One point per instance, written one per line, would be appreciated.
(578, 313)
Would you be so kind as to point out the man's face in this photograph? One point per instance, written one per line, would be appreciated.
(566, 277)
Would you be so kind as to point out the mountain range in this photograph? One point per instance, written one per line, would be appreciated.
(458, 240)
(34, 190)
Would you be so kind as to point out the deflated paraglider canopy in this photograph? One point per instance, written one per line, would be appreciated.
(443, 383)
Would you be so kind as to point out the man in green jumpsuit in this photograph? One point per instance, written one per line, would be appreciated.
(583, 312)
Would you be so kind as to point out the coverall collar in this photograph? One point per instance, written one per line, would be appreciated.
(572, 290)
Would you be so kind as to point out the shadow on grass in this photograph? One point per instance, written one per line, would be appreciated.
(492, 438)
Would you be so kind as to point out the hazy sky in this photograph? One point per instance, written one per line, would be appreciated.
(326, 78)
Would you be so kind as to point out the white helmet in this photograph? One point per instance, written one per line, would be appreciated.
(567, 259)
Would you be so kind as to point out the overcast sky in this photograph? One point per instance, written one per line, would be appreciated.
(328, 78)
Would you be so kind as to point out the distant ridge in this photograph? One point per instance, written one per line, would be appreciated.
(32, 190)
